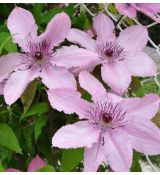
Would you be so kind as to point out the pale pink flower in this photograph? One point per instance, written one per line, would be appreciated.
(111, 126)
(130, 9)
(35, 164)
(37, 54)
(120, 57)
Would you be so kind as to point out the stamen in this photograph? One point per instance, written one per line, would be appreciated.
(38, 53)
(107, 115)
(111, 51)
(107, 118)
(38, 56)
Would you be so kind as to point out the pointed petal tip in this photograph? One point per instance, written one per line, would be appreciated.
(77, 135)
(36, 163)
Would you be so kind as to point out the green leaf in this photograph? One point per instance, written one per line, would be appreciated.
(70, 10)
(135, 164)
(155, 159)
(156, 119)
(39, 108)
(6, 43)
(137, 87)
(150, 86)
(112, 9)
(49, 15)
(129, 21)
(47, 168)
(28, 135)
(37, 11)
(29, 94)
(80, 22)
(71, 158)
(8, 138)
(86, 96)
(5, 153)
(40, 123)
(1, 167)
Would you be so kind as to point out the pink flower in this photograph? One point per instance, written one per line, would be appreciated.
(130, 9)
(111, 127)
(120, 57)
(36, 164)
(37, 54)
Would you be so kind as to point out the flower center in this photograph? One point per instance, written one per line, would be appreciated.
(107, 115)
(38, 56)
(110, 52)
(107, 118)
(38, 53)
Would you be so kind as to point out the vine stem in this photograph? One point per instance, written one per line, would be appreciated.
(119, 20)
(151, 164)
(87, 9)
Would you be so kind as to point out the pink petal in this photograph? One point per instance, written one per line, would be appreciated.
(36, 164)
(116, 76)
(69, 101)
(12, 170)
(57, 77)
(77, 70)
(4, 77)
(112, 97)
(104, 27)
(76, 135)
(73, 56)
(22, 26)
(145, 137)
(9, 63)
(149, 7)
(79, 37)
(126, 10)
(93, 157)
(57, 30)
(137, 67)
(16, 85)
(89, 67)
(118, 151)
(127, 38)
(142, 108)
(92, 85)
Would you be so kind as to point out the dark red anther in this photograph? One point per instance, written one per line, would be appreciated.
(106, 118)
(109, 53)
(38, 56)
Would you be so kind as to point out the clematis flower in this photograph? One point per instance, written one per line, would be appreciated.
(36, 164)
(130, 9)
(36, 56)
(111, 127)
(120, 57)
